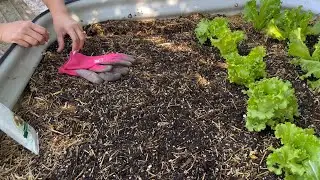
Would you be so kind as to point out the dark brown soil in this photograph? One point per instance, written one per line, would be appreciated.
(175, 116)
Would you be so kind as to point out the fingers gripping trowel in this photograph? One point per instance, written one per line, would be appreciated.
(18, 129)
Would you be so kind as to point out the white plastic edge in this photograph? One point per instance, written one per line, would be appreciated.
(19, 65)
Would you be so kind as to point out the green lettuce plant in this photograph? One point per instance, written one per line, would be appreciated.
(271, 101)
(219, 34)
(299, 156)
(244, 70)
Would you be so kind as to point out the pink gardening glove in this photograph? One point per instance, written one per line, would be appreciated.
(97, 69)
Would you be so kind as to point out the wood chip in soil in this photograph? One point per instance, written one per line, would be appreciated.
(174, 116)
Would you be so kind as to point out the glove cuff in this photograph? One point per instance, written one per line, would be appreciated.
(63, 70)
(78, 61)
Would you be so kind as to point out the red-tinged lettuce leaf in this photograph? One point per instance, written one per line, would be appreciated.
(260, 17)
(271, 101)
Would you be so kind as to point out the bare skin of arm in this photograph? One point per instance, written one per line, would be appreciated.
(28, 34)
(64, 24)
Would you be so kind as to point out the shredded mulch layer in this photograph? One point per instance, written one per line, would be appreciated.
(174, 116)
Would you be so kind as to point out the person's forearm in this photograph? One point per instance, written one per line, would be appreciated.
(56, 7)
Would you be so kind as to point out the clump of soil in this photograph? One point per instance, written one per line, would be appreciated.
(175, 116)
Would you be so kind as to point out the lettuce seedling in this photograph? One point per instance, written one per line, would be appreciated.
(271, 101)
(288, 21)
(308, 63)
(207, 29)
(244, 70)
(269, 9)
(227, 42)
(298, 157)
(219, 34)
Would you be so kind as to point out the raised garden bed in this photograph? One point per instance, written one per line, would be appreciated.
(174, 116)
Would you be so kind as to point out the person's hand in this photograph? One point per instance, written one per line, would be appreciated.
(64, 24)
(23, 33)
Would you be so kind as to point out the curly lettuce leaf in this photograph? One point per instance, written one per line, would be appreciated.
(244, 70)
(298, 158)
(219, 27)
(211, 28)
(287, 158)
(271, 101)
(287, 131)
(260, 17)
(288, 21)
(228, 42)
(202, 31)
(308, 63)
(220, 35)
(312, 69)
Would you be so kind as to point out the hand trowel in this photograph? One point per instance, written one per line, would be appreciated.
(18, 129)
